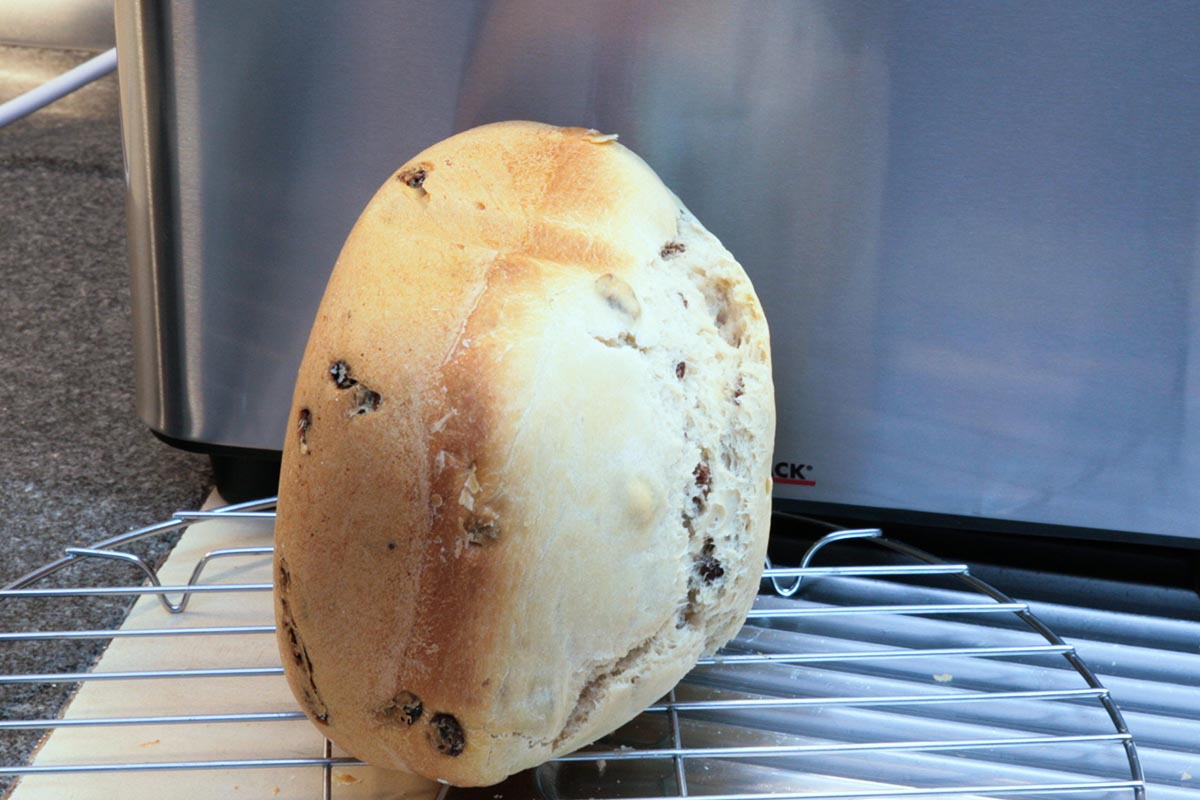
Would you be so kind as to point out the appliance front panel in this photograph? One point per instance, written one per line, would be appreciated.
(975, 231)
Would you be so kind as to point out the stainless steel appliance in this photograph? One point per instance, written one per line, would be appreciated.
(974, 229)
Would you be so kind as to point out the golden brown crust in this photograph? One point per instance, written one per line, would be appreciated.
(435, 554)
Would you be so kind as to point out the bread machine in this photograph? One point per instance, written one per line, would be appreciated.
(974, 230)
(974, 233)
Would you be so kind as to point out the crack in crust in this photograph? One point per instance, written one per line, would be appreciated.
(596, 687)
(624, 339)
(303, 424)
(311, 697)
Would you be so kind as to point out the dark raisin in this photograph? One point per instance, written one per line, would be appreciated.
(447, 734)
(365, 400)
(302, 425)
(707, 565)
(680, 370)
(405, 707)
(340, 372)
(704, 481)
(391, 545)
(711, 569)
(413, 178)
(671, 249)
(481, 529)
(481, 526)
(410, 711)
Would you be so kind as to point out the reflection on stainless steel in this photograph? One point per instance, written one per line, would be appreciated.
(974, 234)
(895, 682)
(58, 24)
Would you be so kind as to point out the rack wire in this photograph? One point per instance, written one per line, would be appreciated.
(833, 690)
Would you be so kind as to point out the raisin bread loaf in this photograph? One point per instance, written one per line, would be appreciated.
(527, 478)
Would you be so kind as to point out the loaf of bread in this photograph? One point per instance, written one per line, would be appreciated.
(526, 484)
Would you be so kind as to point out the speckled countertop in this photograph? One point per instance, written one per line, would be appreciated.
(76, 464)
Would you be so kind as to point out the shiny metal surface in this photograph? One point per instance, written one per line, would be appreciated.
(59, 24)
(943, 697)
(975, 231)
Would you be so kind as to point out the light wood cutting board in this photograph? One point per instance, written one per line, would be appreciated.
(182, 696)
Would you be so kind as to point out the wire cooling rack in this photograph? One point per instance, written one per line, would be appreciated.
(911, 678)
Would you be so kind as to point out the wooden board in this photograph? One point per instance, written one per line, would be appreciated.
(183, 696)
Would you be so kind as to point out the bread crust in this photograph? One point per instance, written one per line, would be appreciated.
(527, 481)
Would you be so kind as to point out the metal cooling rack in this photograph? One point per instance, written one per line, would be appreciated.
(826, 694)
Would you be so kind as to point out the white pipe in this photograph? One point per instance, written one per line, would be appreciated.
(53, 89)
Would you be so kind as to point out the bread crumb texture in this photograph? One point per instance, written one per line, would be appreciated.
(527, 485)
